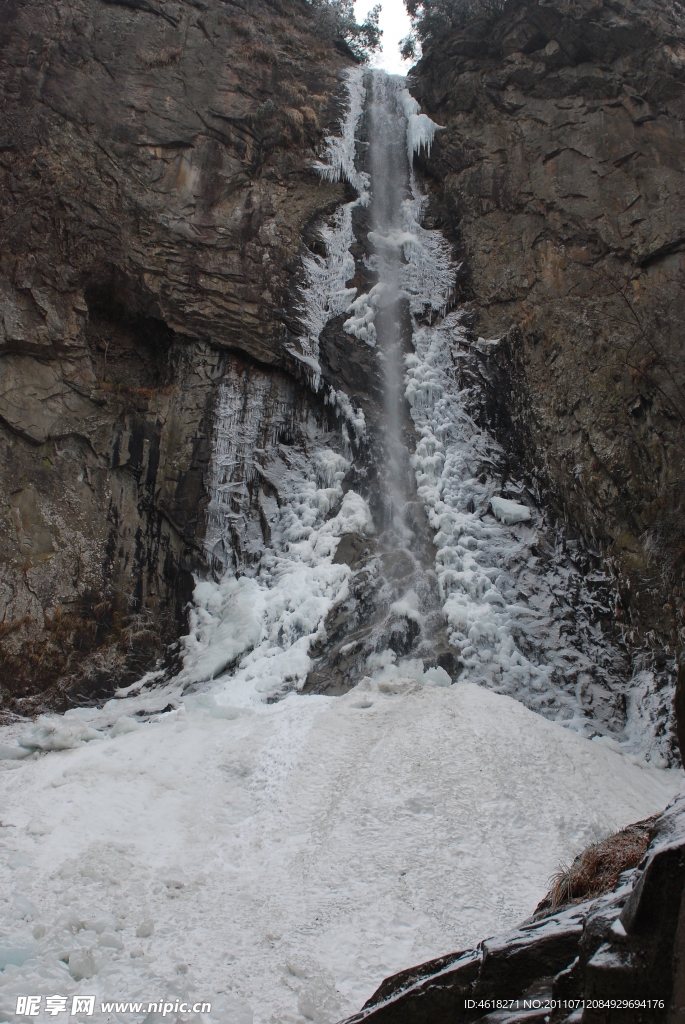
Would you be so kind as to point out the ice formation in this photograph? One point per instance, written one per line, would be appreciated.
(499, 604)
(364, 310)
(420, 129)
(325, 293)
(510, 512)
(354, 417)
(261, 626)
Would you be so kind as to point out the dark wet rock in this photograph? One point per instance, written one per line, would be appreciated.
(627, 944)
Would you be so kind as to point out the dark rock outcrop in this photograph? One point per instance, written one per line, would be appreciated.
(155, 189)
(561, 177)
(561, 966)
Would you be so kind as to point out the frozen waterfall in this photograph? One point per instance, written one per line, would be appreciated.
(220, 835)
(468, 581)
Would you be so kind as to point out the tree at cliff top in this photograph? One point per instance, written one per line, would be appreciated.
(432, 18)
(338, 23)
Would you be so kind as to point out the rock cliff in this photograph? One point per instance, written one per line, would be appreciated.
(156, 188)
(560, 177)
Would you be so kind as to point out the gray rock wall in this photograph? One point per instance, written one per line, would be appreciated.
(560, 175)
(155, 189)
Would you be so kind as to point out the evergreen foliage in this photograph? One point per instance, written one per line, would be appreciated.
(336, 21)
(431, 19)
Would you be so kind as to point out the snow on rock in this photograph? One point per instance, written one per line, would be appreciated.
(325, 293)
(364, 309)
(509, 511)
(274, 862)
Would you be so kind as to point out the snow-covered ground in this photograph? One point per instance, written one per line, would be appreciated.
(286, 857)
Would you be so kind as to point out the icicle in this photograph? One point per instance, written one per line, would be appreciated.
(420, 129)
(325, 294)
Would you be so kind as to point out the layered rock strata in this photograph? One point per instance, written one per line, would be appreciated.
(560, 177)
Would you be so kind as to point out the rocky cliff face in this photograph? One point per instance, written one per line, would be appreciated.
(156, 188)
(560, 177)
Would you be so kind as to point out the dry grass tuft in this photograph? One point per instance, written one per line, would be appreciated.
(597, 869)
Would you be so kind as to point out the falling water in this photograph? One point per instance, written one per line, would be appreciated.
(408, 606)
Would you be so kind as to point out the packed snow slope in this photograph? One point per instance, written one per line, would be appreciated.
(279, 860)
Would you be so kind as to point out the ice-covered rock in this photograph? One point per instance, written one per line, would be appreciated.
(59, 733)
(509, 512)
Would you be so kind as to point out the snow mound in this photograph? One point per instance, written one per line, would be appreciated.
(286, 847)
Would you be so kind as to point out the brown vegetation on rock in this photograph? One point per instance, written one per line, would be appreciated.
(596, 870)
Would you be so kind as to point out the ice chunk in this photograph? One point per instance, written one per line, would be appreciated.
(10, 753)
(110, 941)
(206, 702)
(437, 676)
(59, 733)
(408, 606)
(510, 512)
(124, 725)
(36, 827)
(231, 1009)
(71, 921)
(81, 964)
(319, 1002)
(145, 929)
(98, 925)
(17, 955)
(25, 908)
